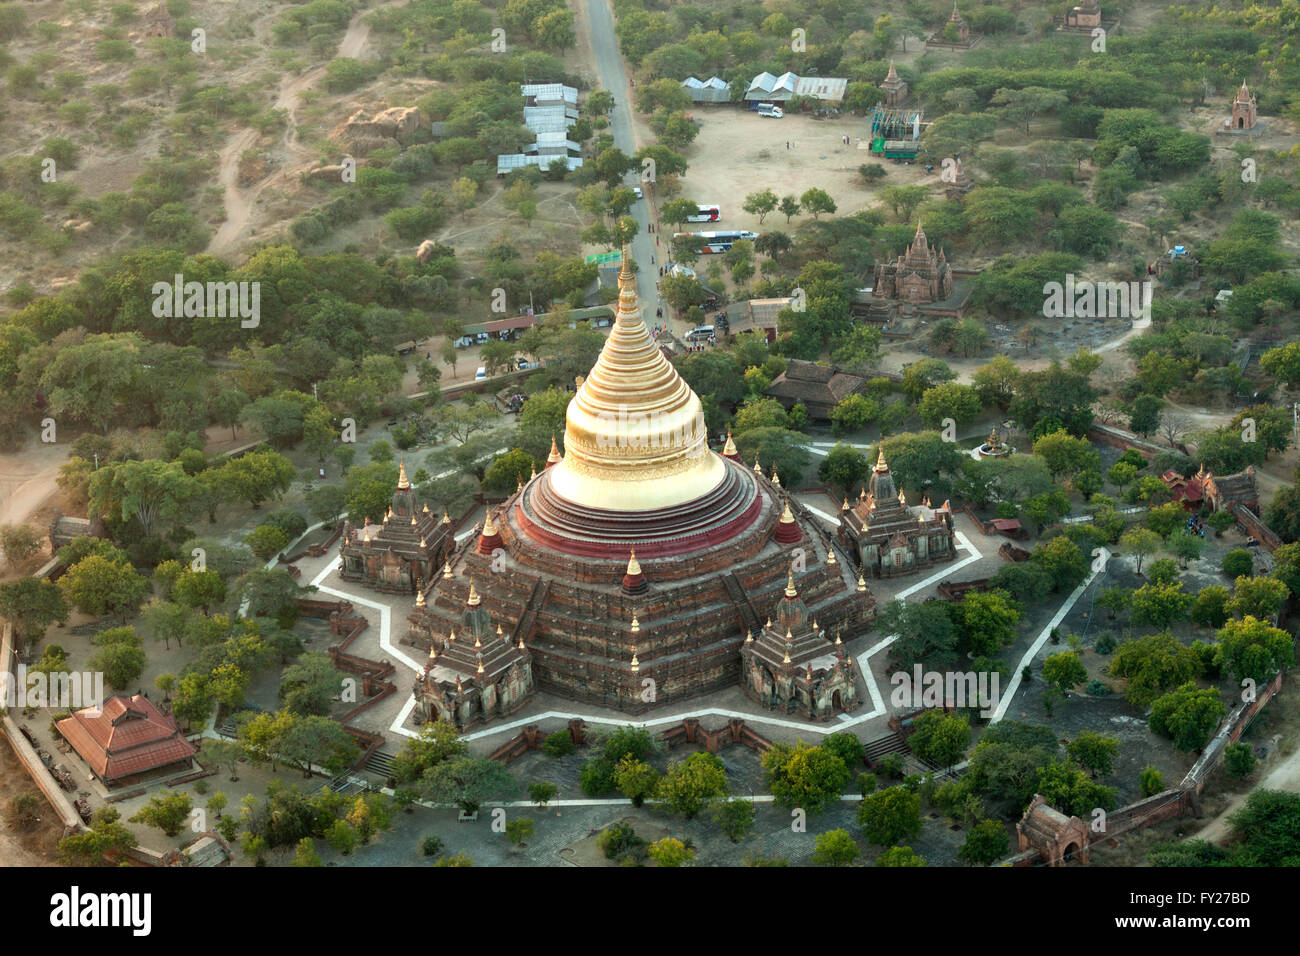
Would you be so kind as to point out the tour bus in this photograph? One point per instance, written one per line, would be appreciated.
(706, 214)
(716, 242)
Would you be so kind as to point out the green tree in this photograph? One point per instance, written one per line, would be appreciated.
(32, 605)
(1141, 543)
(734, 817)
(101, 844)
(817, 201)
(435, 743)
(810, 778)
(466, 781)
(98, 586)
(1257, 597)
(986, 842)
(168, 813)
(1187, 716)
(900, 856)
(1064, 671)
(1093, 752)
(670, 851)
(890, 816)
(1250, 648)
(1239, 759)
(1160, 605)
(1152, 664)
(760, 204)
(691, 783)
(636, 779)
(835, 848)
(940, 738)
(1151, 781)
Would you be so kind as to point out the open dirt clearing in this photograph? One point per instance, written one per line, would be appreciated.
(738, 152)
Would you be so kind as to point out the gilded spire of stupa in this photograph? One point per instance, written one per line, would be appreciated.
(634, 438)
(402, 481)
(554, 457)
(633, 565)
(489, 526)
(880, 460)
(790, 590)
(730, 447)
(758, 469)
(446, 569)
(473, 600)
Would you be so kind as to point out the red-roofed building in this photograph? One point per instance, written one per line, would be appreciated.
(1187, 490)
(126, 738)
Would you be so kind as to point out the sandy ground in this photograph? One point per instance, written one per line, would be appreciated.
(35, 847)
(738, 152)
(240, 203)
(27, 478)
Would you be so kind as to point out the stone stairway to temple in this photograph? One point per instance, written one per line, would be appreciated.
(743, 604)
(528, 620)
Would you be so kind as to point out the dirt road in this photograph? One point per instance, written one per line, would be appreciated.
(27, 479)
(1285, 776)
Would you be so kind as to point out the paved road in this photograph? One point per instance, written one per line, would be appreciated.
(613, 77)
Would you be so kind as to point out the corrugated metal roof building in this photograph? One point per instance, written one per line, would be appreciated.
(778, 89)
(509, 161)
(713, 90)
(543, 93)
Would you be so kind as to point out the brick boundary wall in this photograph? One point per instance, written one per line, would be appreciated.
(1253, 525)
(26, 753)
(1176, 801)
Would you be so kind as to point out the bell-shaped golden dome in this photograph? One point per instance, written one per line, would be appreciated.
(635, 438)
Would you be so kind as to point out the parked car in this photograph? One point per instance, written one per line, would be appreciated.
(523, 364)
(480, 374)
(771, 112)
(636, 191)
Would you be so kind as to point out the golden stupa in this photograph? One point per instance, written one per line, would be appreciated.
(635, 438)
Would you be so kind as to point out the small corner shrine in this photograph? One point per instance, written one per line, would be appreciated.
(401, 551)
(1244, 112)
(891, 538)
(473, 675)
(791, 666)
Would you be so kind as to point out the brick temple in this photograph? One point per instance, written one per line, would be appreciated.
(629, 572)
(400, 552)
(888, 537)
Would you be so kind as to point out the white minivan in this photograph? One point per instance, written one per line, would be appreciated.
(480, 374)
(771, 112)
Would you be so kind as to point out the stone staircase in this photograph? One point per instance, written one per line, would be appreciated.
(743, 604)
(528, 620)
